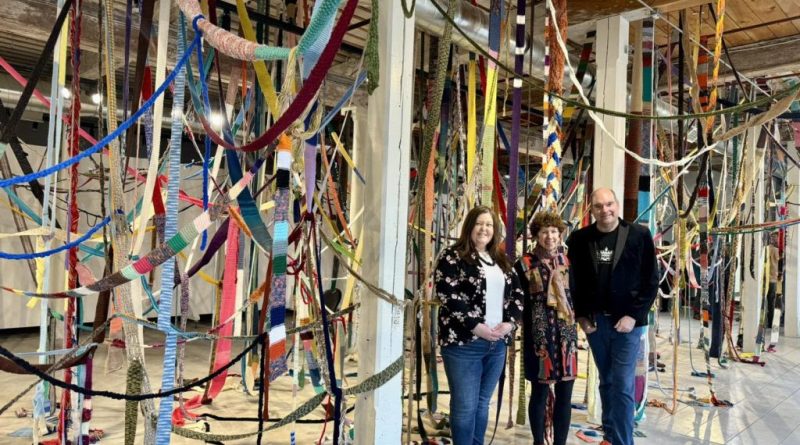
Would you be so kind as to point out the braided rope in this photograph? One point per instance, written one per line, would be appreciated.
(120, 235)
(371, 53)
(369, 384)
(72, 255)
(134, 386)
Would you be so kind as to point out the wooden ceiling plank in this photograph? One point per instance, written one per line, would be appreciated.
(746, 16)
(676, 5)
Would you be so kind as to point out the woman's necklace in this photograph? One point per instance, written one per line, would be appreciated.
(486, 259)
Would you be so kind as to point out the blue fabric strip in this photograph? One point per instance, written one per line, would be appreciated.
(164, 425)
(106, 140)
(67, 246)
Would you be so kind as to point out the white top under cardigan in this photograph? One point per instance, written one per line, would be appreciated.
(495, 288)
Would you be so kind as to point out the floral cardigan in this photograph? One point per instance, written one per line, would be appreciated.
(461, 289)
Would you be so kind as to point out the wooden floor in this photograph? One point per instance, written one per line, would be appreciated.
(766, 410)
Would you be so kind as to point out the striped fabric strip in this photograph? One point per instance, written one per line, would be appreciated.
(164, 425)
(277, 301)
(516, 114)
(644, 186)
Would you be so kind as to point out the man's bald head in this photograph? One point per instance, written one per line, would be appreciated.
(603, 194)
(605, 208)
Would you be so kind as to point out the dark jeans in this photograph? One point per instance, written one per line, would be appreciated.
(615, 356)
(473, 371)
(562, 411)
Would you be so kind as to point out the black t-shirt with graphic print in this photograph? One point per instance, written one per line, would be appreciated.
(603, 255)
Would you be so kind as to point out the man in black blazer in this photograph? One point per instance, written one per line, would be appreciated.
(614, 280)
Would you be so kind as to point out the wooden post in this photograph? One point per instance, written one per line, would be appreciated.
(609, 162)
(612, 91)
(386, 170)
(792, 309)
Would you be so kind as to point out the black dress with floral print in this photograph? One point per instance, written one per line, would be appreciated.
(461, 288)
(550, 344)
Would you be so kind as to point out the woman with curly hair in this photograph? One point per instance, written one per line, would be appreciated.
(549, 331)
(481, 303)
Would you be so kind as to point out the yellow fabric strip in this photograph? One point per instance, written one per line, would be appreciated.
(342, 151)
(351, 280)
(472, 125)
(264, 79)
(487, 142)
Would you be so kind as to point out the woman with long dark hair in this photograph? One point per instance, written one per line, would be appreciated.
(549, 331)
(481, 304)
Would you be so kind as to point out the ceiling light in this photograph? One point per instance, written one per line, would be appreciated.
(97, 98)
(66, 93)
(216, 120)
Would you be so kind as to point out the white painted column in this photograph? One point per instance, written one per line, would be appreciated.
(379, 416)
(612, 90)
(792, 317)
(609, 162)
(753, 289)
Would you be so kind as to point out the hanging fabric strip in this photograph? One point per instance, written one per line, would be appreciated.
(86, 136)
(472, 125)
(245, 200)
(277, 301)
(108, 138)
(73, 142)
(222, 353)
(310, 59)
(154, 258)
(513, 161)
(262, 75)
(164, 425)
(132, 335)
(490, 105)
(304, 97)
(242, 49)
(158, 111)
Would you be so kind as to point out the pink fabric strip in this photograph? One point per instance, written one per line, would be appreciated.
(227, 309)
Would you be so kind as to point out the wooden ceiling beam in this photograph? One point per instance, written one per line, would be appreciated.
(675, 5)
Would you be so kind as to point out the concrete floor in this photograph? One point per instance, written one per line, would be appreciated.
(766, 410)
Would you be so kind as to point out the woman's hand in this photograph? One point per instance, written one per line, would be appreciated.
(503, 329)
(485, 332)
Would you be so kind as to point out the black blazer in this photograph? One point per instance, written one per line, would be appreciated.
(634, 275)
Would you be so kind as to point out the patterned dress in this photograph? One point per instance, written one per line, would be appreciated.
(550, 345)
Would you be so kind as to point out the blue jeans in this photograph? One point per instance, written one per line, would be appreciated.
(472, 374)
(615, 356)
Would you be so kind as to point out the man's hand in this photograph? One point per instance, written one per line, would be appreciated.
(485, 332)
(625, 324)
(587, 326)
(503, 329)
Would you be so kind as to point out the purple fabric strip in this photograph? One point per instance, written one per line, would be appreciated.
(513, 155)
